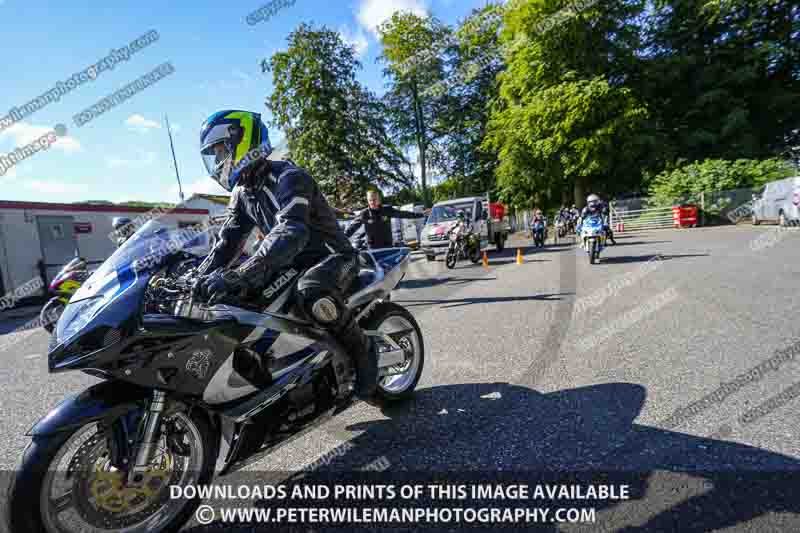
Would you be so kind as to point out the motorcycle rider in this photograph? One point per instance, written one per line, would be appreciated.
(122, 229)
(300, 229)
(376, 220)
(537, 217)
(596, 207)
(462, 222)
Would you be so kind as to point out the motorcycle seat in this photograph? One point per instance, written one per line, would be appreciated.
(366, 274)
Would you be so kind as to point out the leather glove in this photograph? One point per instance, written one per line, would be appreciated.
(216, 286)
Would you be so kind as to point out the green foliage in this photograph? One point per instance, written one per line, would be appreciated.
(544, 101)
(722, 77)
(563, 120)
(335, 128)
(471, 86)
(688, 180)
(412, 51)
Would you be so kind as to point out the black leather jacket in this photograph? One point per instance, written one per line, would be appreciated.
(286, 204)
(378, 225)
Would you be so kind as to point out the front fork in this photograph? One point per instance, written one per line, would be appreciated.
(148, 437)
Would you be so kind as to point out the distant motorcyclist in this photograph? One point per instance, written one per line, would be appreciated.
(300, 230)
(462, 222)
(595, 207)
(377, 221)
(538, 218)
(122, 229)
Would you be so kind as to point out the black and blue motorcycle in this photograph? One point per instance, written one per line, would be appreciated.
(189, 391)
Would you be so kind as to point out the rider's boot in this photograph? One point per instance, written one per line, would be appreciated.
(364, 353)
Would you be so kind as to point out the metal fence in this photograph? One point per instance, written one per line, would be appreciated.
(717, 207)
(520, 220)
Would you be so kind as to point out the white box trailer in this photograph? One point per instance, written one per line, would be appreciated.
(37, 238)
(412, 227)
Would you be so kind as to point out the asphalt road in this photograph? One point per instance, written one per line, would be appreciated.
(559, 365)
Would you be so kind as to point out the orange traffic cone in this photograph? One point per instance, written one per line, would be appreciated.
(519, 256)
(485, 260)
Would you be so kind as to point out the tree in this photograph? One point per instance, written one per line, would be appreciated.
(723, 77)
(467, 92)
(412, 50)
(713, 175)
(564, 121)
(335, 128)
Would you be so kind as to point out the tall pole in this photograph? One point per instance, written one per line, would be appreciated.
(174, 159)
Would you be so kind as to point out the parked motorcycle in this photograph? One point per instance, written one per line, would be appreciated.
(63, 286)
(593, 237)
(189, 388)
(462, 247)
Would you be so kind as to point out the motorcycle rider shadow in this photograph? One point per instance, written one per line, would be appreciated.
(496, 433)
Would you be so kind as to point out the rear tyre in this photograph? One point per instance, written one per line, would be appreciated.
(500, 243)
(430, 257)
(399, 324)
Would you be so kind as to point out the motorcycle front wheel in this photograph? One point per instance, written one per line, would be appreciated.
(451, 258)
(66, 484)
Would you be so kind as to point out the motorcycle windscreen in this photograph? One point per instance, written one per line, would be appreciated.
(114, 291)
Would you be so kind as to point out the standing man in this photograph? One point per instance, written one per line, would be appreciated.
(377, 221)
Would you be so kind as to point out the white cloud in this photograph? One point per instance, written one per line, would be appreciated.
(144, 159)
(68, 144)
(200, 186)
(55, 187)
(140, 124)
(23, 133)
(357, 39)
(373, 13)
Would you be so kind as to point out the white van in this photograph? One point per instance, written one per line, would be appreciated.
(778, 201)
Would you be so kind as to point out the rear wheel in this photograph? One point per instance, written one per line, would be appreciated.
(403, 329)
(66, 483)
(430, 257)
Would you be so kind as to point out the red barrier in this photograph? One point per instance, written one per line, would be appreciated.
(684, 216)
(497, 211)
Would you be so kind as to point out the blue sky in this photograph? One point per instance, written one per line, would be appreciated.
(124, 154)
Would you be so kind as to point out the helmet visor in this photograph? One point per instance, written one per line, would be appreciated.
(218, 159)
